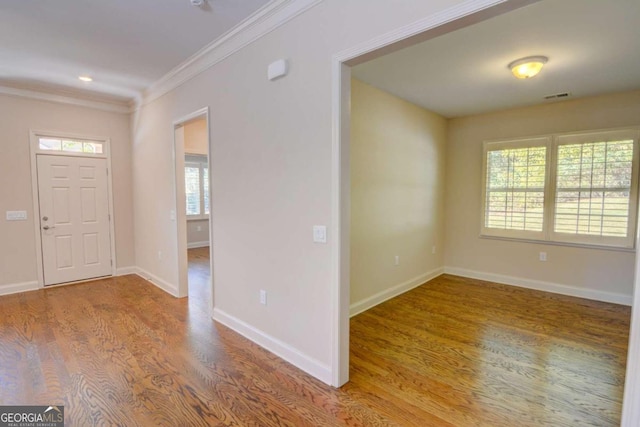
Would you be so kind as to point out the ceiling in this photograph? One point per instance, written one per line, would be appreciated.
(593, 48)
(125, 45)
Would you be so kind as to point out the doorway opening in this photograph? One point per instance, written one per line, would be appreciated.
(429, 28)
(193, 207)
(341, 173)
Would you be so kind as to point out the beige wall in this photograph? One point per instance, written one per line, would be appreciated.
(197, 238)
(196, 138)
(603, 271)
(397, 194)
(17, 117)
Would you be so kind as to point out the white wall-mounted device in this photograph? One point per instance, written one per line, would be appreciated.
(320, 233)
(16, 215)
(277, 69)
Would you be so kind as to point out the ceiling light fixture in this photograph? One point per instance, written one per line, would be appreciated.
(197, 2)
(528, 67)
(86, 79)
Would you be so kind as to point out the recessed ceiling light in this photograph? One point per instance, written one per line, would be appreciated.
(528, 67)
(85, 78)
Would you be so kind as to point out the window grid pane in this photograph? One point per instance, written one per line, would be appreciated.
(205, 179)
(72, 146)
(192, 189)
(50, 144)
(593, 188)
(92, 147)
(515, 189)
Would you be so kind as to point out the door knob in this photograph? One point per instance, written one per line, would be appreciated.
(46, 227)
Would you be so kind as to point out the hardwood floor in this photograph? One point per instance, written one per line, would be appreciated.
(200, 278)
(453, 352)
(481, 354)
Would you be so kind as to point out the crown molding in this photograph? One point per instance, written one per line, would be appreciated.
(64, 99)
(266, 19)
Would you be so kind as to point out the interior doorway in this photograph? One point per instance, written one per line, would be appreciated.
(342, 63)
(193, 207)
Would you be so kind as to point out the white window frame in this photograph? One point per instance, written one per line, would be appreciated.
(200, 161)
(552, 143)
(36, 136)
(514, 144)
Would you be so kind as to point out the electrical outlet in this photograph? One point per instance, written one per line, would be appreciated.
(397, 260)
(159, 255)
(263, 297)
(433, 249)
(543, 256)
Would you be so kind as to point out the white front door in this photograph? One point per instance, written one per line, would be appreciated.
(74, 218)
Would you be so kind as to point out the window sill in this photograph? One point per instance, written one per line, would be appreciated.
(554, 243)
(197, 217)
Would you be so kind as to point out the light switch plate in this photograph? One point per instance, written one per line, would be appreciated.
(16, 215)
(320, 233)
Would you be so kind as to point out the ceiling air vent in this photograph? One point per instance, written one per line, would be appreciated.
(558, 95)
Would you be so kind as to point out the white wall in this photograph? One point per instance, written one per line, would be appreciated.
(397, 195)
(17, 117)
(271, 151)
(590, 272)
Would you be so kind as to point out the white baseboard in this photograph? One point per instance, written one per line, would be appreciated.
(165, 286)
(15, 288)
(380, 297)
(193, 245)
(123, 271)
(274, 345)
(539, 285)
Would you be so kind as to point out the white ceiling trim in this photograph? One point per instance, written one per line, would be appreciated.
(268, 18)
(61, 99)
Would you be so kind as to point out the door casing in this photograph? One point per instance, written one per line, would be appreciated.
(34, 149)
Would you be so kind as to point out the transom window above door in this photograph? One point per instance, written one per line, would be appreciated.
(70, 145)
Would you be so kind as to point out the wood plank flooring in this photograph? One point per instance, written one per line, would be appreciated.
(453, 352)
(200, 278)
(481, 354)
